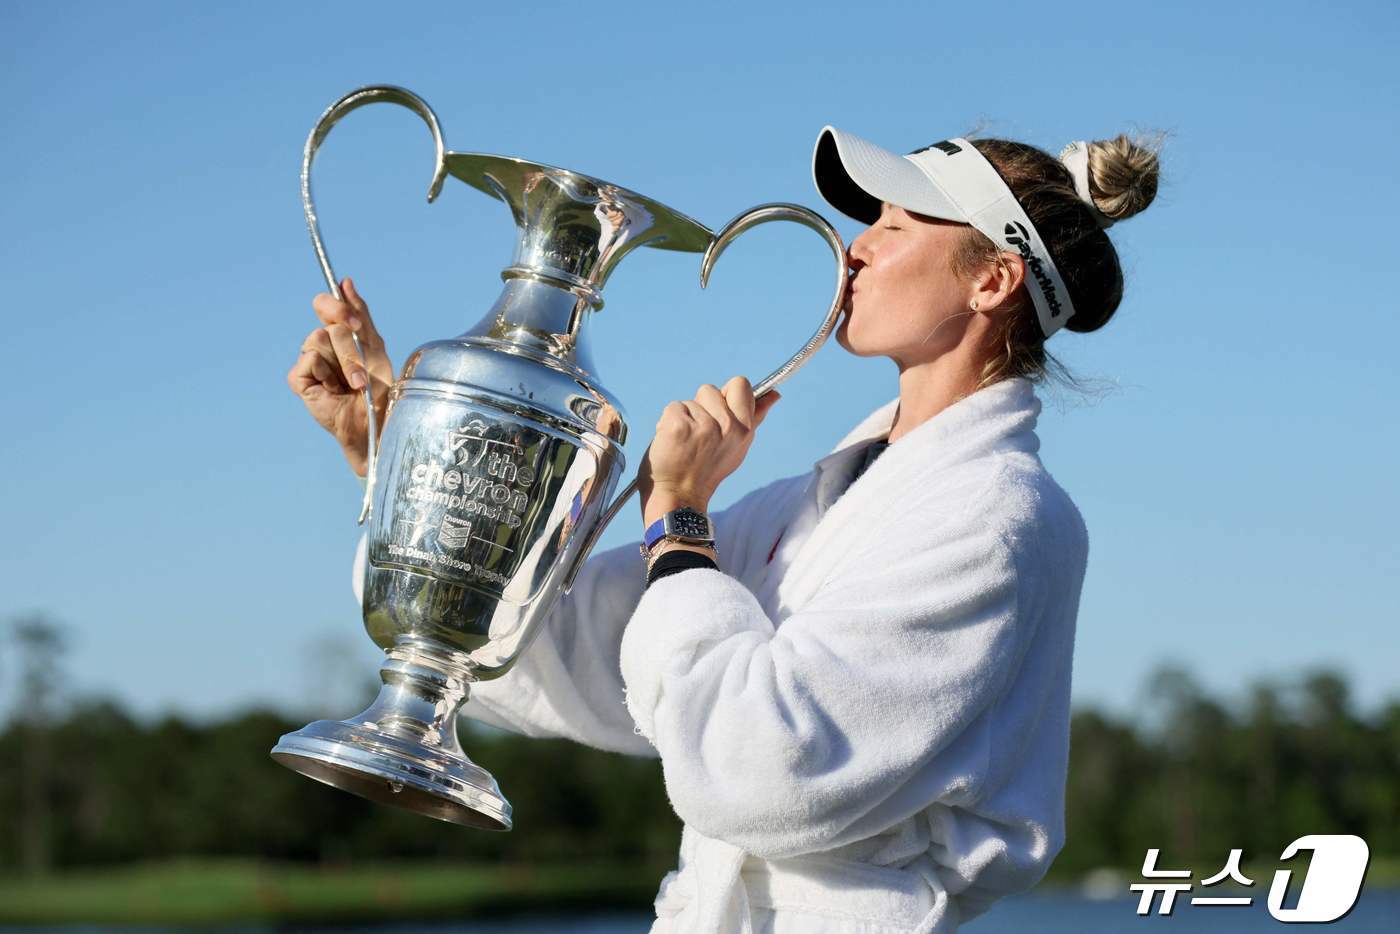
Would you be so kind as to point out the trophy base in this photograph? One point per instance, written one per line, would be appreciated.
(403, 750)
(388, 770)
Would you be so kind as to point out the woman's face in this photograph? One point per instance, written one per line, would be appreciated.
(904, 288)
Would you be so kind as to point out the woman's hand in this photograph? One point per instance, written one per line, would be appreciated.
(329, 377)
(698, 443)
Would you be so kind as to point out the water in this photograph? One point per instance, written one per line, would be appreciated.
(1377, 912)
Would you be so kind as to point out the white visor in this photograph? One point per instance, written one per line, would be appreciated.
(949, 180)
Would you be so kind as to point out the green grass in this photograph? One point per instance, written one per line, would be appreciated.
(207, 892)
(232, 891)
(1383, 872)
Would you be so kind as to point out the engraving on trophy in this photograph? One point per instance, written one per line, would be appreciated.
(454, 533)
(410, 526)
(464, 507)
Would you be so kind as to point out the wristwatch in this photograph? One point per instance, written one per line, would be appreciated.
(679, 525)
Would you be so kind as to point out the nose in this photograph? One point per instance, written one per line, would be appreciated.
(858, 253)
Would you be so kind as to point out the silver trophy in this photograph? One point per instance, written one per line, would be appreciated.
(493, 473)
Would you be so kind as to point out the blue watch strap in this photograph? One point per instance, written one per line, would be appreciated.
(654, 532)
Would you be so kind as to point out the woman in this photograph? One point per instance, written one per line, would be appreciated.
(859, 692)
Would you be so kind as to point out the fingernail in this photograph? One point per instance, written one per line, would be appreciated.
(353, 322)
(357, 380)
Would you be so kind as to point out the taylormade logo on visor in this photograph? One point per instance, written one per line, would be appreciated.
(1017, 236)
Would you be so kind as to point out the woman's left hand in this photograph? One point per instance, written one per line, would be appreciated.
(698, 443)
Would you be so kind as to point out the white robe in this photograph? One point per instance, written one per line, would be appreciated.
(868, 732)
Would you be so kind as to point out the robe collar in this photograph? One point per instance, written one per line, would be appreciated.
(995, 417)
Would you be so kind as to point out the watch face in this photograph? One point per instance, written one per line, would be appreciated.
(690, 523)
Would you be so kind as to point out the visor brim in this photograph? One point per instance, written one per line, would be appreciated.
(855, 176)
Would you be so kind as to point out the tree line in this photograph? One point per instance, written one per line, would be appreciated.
(85, 783)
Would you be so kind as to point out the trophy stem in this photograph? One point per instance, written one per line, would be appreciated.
(403, 749)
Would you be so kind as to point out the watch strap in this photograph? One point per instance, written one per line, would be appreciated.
(654, 533)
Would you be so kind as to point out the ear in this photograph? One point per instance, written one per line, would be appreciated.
(996, 285)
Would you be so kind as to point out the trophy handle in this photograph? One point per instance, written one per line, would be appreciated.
(353, 101)
(762, 214)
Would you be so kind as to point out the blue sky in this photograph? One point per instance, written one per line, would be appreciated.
(165, 496)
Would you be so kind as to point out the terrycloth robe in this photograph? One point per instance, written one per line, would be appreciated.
(863, 716)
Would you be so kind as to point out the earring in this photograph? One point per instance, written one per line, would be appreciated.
(974, 304)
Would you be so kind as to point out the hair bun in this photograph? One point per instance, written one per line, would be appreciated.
(1123, 175)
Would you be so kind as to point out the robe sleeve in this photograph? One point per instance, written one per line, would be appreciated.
(568, 682)
(865, 706)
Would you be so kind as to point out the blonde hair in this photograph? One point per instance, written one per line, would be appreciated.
(1123, 175)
